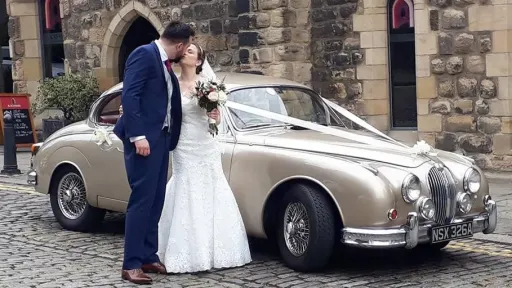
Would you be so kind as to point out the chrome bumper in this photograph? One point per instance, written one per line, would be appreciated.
(32, 177)
(411, 234)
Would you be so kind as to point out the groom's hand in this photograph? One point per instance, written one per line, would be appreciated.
(142, 147)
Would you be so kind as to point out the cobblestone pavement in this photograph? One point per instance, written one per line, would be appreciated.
(36, 252)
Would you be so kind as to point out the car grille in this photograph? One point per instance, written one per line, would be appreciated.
(443, 194)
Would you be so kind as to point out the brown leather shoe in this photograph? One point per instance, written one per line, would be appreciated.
(156, 267)
(136, 276)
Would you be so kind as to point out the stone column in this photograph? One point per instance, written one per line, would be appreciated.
(26, 44)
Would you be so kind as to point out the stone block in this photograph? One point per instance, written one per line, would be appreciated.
(263, 55)
(487, 17)
(23, 9)
(271, 4)
(500, 107)
(476, 143)
(374, 39)
(464, 43)
(291, 52)
(430, 123)
(347, 10)
(463, 106)
(209, 10)
(421, 21)
(485, 43)
(487, 89)
(248, 39)
(506, 126)
(426, 87)
(276, 35)
(426, 44)
(467, 87)
(460, 124)
(375, 89)
(489, 125)
(497, 64)
(446, 141)
(320, 15)
(446, 43)
(423, 106)
(438, 66)
(422, 66)
(32, 69)
(482, 107)
(446, 87)
(475, 64)
(453, 19)
(502, 144)
(454, 65)
(441, 107)
(430, 138)
(29, 27)
(376, 56)
(372, 72)
(376, 107)
(369, 22)
(298, 4)
(504, 87)
(380, 122)
(500, 41)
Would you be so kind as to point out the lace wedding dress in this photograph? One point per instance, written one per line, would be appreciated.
(201, 226)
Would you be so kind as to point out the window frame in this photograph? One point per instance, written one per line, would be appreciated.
(98, 105)
(300, 88)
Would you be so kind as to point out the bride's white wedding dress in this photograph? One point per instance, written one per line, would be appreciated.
(201, 226)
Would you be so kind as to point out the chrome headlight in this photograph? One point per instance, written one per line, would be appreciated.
(464, 202)
(472, 180)
(427, 209)
(411, 188)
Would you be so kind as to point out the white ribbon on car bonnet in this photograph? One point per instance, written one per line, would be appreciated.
(418, 149)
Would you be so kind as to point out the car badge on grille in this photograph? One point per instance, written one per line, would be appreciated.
(439, 166)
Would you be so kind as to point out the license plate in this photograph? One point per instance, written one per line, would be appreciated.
(451, 232)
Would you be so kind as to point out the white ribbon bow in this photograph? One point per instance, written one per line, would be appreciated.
(102, 135)
(423, 148)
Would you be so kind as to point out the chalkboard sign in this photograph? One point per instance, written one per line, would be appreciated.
(18, 105)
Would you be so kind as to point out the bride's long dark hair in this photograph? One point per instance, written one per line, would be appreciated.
(201, 55)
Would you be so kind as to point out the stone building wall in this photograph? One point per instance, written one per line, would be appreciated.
(23, 28)
(274, 38)
(465, 66)
(94, 30)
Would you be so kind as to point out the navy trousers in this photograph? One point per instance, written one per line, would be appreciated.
(148, 178)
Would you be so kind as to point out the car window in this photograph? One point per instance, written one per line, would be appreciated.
(289, 101)
(109, 112)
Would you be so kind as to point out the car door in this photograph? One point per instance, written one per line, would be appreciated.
(109, 181)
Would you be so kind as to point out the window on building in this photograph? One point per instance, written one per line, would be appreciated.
(51, 37)
(402, 64)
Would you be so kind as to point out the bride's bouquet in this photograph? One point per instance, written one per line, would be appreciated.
(210, 95)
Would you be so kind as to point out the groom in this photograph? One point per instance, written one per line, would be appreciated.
(149, 129)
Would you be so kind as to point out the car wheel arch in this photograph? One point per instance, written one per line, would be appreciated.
(270, 206)
(63, 165)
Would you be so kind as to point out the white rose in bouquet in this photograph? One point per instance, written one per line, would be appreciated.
(213, 96)
(223, 97)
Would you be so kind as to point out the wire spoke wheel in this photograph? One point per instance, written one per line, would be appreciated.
(71, 196)
(296, 228)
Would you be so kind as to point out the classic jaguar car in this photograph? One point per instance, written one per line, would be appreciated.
(307, 189)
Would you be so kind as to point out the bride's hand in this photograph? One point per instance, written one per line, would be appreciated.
(214, 114)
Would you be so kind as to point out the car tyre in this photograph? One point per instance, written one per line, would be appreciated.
(79, 215)
(320, 218)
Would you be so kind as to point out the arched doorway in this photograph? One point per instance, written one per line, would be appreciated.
(402, 66)
(140, 32)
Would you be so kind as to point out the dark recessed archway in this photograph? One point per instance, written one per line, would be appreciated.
(140, 32)
(402, 64)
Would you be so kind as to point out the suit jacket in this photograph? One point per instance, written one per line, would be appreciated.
(145, 98)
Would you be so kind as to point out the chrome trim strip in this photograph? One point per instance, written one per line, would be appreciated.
(412, 233)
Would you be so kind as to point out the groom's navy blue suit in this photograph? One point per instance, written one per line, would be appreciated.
(144, 99)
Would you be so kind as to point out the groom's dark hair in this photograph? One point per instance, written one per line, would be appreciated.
(177, 31)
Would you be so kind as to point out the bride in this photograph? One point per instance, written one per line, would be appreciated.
(201, 227)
